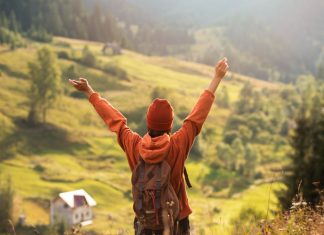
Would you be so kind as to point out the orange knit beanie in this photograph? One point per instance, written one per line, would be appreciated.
(159, 115)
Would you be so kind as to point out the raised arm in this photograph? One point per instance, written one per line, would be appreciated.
(220, 70)
(194, 121)
(116, 122)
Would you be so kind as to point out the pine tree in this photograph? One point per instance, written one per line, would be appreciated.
(4, 22)
(307, 156)
(317, 126)
(301, 143)
(95, 30)
(53, 22)
(14, 26)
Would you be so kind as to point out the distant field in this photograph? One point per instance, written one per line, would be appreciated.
(77, 150)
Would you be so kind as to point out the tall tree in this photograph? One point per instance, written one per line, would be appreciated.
(6, 204)
(45, 84)
(251, 157)
(308, 154)
(223, 98)
(226, 155)
(14, 25)
(53, 20)
(4, 22)
(317, 124)
(245, 102)
(239, 152)
(301, 144)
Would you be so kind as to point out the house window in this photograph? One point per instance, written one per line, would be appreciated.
(76, 216)
(88, 214)
(66, 205)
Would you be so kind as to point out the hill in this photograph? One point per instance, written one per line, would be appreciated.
(75, 149)
(270, 40)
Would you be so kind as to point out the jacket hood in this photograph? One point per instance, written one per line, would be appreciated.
(153, 150)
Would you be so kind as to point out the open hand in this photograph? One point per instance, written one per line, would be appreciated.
(221, 68)
(82, 85)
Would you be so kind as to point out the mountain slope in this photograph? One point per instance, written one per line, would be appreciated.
(270, 40)
(75, 150)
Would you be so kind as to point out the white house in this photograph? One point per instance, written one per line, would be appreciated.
(72, 208)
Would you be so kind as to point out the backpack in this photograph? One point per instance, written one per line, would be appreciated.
(156, 204)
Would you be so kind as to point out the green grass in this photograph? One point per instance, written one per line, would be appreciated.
(76, 150)
(219, 223)
(36, 214)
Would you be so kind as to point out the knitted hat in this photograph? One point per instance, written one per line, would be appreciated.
(159, 115)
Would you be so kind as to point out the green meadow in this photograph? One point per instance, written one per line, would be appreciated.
(76, 150)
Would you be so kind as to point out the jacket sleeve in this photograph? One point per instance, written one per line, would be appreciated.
(117, 123)
(193, 123)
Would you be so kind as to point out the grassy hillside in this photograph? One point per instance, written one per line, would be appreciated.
(75, 149)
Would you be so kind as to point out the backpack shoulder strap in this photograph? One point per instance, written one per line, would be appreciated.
(158, 186)
(187, 182)
(141, 182)
(187, 178)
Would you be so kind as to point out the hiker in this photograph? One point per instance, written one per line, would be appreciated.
(157, 159)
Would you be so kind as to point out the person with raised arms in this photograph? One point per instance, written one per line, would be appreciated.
(157, 159)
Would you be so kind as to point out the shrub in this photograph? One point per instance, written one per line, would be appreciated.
(258, 175)
(230, 136)
(218, 179)
(239, 185)
(39, 168)
(78, 95)
(63, 55)
(71, 72)
(165, 93)
(40, 35)
(263, 138)
(116, 71)
(9, 37)
(161, 92)
(88, 57)
(247, 220)
(62, 44)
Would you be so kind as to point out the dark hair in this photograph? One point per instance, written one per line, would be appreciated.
(155, 133)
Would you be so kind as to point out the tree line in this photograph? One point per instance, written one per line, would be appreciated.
(39, 19)
(59, 17)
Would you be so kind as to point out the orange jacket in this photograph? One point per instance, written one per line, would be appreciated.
(152, 150)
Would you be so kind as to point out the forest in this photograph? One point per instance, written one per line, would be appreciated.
(273, 40)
